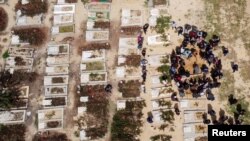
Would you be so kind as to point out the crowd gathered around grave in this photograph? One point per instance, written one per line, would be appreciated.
(204, 77)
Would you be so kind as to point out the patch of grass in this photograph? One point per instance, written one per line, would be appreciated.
(161, 137)
(97, 77)
(5, 40)
(145, 3)
(36, 120)
(245, 106)
(218, 13)
(165, 70)
(6, 55)
(163, 102)
(165, 59)
(163, 24)
(227, 86)
(94, 65)
(65, 29)
(167, 116)
(127, 123)
(85, 1)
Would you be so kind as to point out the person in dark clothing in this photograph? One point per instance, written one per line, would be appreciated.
(181, 70)
(211, 112)
(186, 85)
(108, 88)
(235, 67)
(194, 28)
(232, 100)
(143, 52)
(215, 39)
(144, 75)
(182, 62)
(178, 50)
(204, 34)
(209, 95)
(218, 64)
(210, 59)
(145, 27)
(179, 30)
(224, 50)
(150, 119)
(177, 77)
(204, 68)
(176, 109)
(144, 62)
(174, 97)
(181, 92)
(187, 27)
(207, 121)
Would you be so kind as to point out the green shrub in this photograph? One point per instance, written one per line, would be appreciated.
(162, 24)
(6, 55)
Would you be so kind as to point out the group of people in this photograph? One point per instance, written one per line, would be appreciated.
(200, 85)
(143, 53)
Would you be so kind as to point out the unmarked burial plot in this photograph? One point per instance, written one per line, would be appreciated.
(130, 88)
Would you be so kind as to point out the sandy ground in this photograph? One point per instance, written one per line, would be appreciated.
(182, 12)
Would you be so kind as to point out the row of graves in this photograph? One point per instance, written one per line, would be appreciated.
(128, 73)
(63, 18)
(55, 87)
(20, 60)
(130, 43)
(56, 80)
(161, 89)
(93, 67)
(17, 114)
(92, 97)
